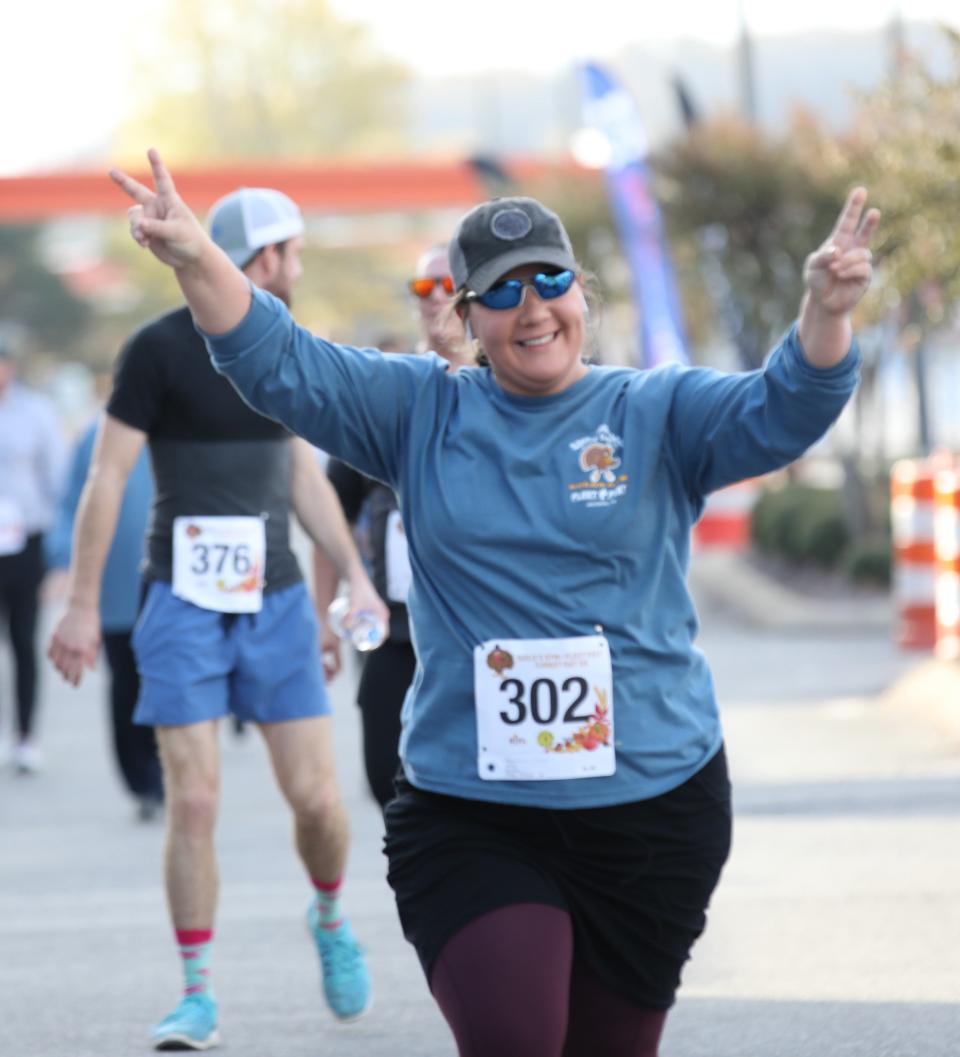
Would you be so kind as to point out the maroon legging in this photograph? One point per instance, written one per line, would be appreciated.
(510, 986)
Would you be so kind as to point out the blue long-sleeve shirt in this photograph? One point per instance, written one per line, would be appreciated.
(120, 591)
(543, 517)
(33, 456)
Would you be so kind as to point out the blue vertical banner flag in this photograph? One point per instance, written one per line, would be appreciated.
(610, 111)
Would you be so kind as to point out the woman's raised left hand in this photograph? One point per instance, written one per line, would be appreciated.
(838, 273)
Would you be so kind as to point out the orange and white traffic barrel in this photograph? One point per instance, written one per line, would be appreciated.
(914, 553)
(725, 522)
(946, 489)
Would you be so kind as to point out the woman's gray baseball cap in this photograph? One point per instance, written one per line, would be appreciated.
(502, 234)
(246, 220)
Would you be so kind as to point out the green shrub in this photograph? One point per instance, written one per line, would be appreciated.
(870, 563)
(819, 534)
(802, 524)
(763, 521)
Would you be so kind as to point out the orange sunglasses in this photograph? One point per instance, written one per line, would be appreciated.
(423, 288)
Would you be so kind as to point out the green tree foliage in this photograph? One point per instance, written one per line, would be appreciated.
(744, 210)
(906, 144)
(34, 297)
(749, 207)
(278, 80)
(229, 79)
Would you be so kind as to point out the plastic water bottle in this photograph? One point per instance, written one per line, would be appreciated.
(365, 631)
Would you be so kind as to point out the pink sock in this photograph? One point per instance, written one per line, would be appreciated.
(328, 902)
(195, 947)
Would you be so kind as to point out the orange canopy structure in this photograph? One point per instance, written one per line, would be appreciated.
(348, 187)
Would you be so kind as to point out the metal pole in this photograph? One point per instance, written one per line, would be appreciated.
(747, 81)
(897, 39)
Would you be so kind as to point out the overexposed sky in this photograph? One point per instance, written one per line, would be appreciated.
(65, 69)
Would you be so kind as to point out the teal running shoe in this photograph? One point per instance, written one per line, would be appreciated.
(346, 983)
(191, 1026)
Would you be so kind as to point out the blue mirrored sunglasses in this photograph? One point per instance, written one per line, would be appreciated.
(511, 292)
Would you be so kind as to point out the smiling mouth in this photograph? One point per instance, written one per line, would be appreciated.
(535, 343)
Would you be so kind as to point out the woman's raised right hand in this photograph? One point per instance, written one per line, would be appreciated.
(160, 221)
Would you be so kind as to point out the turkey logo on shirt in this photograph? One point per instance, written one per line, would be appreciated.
(597, 458)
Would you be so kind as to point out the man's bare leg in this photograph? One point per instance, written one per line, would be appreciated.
(302, 754)
(303, 761)
(191, 768)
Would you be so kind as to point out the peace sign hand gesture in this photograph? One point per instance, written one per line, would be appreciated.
(838, 273)
(161, 221)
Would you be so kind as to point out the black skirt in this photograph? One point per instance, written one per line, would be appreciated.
(635, 878)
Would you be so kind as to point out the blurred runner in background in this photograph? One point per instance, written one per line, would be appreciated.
(388, 670)
(33, 455)
(134, 745)
(227, 625)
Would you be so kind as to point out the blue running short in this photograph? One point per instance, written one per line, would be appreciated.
(196, 664)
